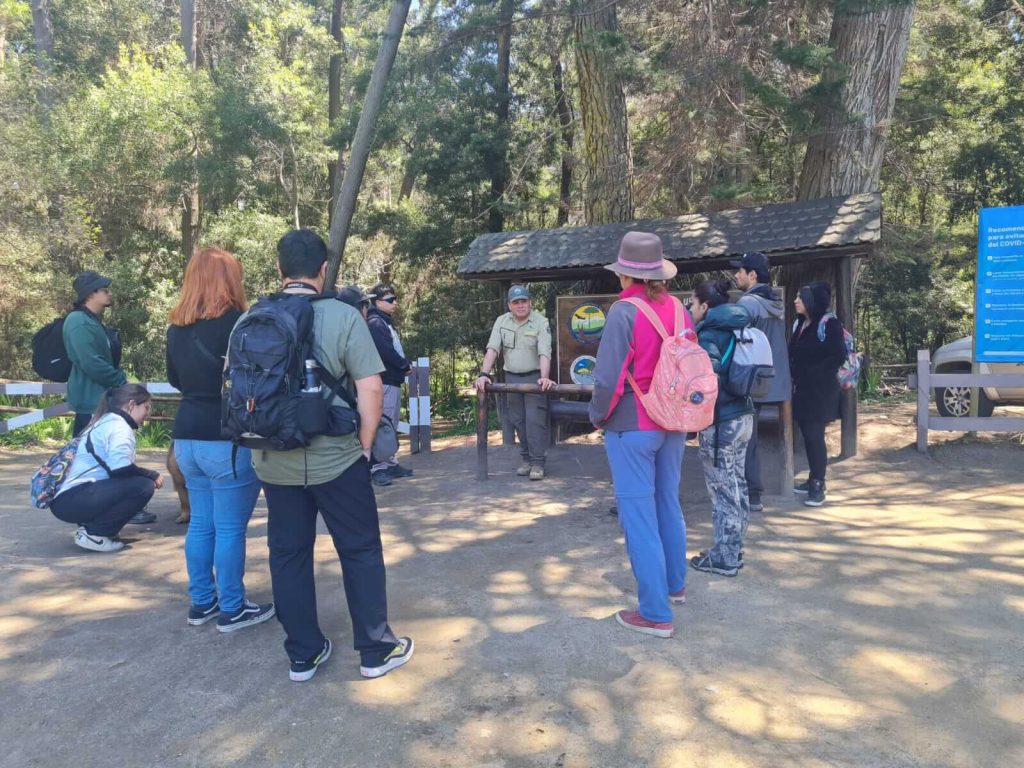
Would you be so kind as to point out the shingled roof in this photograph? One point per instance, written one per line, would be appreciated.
(788, 232)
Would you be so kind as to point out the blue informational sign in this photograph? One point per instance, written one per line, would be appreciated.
(999, 302)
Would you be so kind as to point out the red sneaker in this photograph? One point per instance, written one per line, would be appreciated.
(633, 620)
(677, 597)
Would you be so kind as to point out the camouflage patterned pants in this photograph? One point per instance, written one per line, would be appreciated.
(727, 486)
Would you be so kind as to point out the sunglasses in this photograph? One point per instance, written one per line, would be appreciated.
(389, 299)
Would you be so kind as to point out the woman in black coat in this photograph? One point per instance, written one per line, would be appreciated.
(816, 351)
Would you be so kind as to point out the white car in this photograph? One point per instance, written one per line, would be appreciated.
(956, 357)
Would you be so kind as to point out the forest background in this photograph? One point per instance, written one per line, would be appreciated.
(132, 131)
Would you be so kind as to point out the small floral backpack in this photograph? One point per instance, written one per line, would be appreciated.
(48, 479)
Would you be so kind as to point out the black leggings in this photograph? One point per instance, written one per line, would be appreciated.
(105, 506)
(814, 443)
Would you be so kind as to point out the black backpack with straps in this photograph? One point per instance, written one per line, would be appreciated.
(264, 403)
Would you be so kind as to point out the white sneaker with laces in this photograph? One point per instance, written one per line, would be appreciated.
(97, 543)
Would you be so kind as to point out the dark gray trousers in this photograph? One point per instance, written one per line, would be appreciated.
(752, 470)
(529, 415)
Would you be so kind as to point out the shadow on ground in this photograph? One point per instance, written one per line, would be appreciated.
(884, 629)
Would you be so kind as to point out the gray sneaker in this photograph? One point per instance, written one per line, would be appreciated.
(142, 517)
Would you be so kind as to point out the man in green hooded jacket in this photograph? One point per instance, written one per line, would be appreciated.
(94, 350)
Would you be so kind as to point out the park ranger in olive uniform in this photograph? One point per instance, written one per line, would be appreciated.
(523, 337)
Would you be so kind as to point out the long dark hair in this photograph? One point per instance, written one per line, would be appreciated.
(713, 292)
(117, 399)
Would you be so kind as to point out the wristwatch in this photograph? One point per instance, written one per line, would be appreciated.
(484, 373)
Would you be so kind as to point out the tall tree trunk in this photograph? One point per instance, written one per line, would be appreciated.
(337, 168)
(566, 129)
(499, 175)
(607, 152)
(345, 202)
(42, 34)
(847, 144)
(191, 205)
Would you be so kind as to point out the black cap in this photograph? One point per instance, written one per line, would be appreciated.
(753, 261)
(353, 296)
(88, 283)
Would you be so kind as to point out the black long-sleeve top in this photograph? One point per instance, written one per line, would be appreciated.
(199, 375)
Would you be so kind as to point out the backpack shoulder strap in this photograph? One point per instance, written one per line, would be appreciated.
(650, 315)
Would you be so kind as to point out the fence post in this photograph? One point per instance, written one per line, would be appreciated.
(923, 391)
(423, 389)
(481, 434)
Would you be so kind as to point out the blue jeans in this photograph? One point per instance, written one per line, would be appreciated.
(646, 467)
(221, 507)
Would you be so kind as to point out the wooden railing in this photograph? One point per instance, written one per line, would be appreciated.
(925, 381)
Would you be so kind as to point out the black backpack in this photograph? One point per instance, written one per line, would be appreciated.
(50, 357)
(264, 404)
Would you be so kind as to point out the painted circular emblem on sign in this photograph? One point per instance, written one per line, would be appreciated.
(581, 371)
(586, 323)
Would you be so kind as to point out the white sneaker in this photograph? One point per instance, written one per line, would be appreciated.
(97, 543)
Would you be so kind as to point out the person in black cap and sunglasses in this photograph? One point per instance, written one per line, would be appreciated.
(768, 313)
(396, 367)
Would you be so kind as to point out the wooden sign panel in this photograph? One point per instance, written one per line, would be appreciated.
(579, 323)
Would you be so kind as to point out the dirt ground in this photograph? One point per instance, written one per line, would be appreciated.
(883, 629)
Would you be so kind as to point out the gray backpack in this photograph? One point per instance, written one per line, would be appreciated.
(750, 370)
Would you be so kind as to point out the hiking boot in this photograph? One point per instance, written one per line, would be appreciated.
(301, 671)
(399, 655)
(381, 478)
(815, 494)
(704, 562)
(634, 621)
(677, 598)
(97, 543)
(536, 472)
(398, 471)
(200, 614)
(142, 517)
(524, 469)
(755, 504)
(246, 616)
(802, 487)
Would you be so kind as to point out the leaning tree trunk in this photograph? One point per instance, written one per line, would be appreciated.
(345, 202)
(336, 169)
(607, 153)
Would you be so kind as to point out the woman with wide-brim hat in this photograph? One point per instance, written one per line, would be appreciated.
(646, 460)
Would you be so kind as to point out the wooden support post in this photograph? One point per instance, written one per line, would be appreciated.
(786, 430)
(481, 434)
(845, 312)
(923, 388)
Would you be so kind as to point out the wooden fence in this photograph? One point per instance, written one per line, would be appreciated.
(925, 381)
(417, 428)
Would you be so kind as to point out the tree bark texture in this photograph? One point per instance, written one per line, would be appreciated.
(191, 204)
(188, 30)
(345, 201)
(502, 97)
(564, 113)
(847, 144)
(42, 35)
(607, 152)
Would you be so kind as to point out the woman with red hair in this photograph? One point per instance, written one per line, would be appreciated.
(221, 482)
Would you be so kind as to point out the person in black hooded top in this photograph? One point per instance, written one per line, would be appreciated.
(816, 351)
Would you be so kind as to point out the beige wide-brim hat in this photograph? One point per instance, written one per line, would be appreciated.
(641, 256)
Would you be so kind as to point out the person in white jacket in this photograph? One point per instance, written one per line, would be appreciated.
(105, 488)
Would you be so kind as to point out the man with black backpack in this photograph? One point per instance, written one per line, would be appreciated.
(311, 452)
(93, 349)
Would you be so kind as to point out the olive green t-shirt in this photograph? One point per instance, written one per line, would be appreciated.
(521, 344)
(342, 344)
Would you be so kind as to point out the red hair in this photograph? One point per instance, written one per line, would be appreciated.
(213, 285)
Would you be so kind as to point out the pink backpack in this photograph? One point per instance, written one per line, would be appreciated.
(685, 386)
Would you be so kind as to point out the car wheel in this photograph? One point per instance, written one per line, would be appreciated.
(956, 401)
